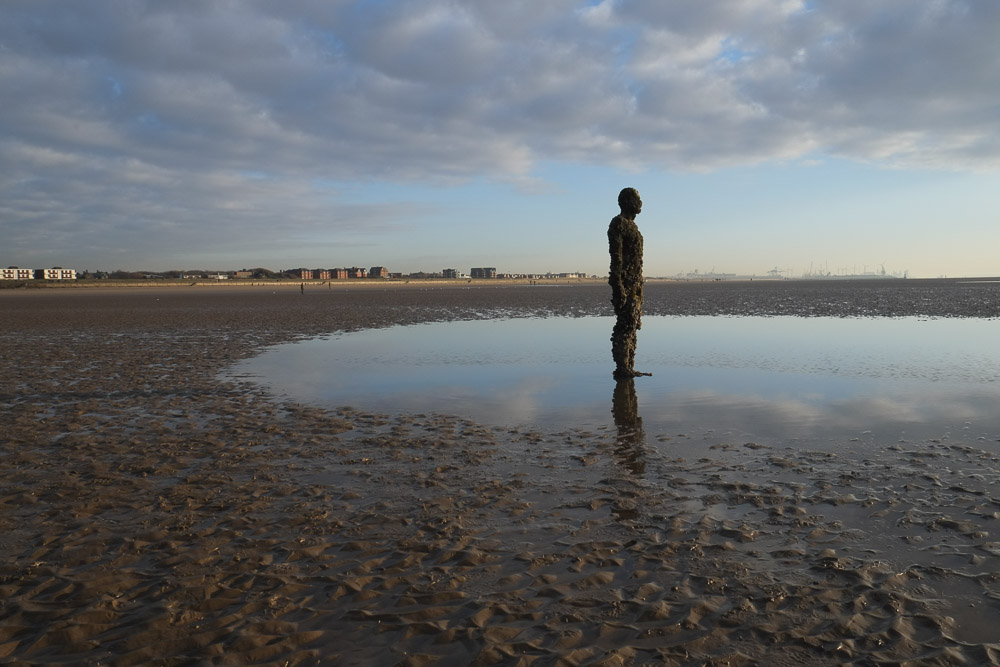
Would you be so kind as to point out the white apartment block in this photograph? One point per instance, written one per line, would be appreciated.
(59, 274)
(14, 273)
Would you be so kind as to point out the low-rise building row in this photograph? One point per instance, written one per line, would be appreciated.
(340, 274)
(55, 273)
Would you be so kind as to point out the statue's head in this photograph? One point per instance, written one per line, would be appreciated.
(629, 202)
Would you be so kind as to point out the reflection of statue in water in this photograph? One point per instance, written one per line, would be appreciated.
(631, 438)
(625, 245)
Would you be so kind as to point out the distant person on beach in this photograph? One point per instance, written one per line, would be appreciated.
(625, 245)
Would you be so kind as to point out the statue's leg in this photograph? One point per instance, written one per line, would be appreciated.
(638, 325)
(624, 338)
(619, 351)
(634, 323)
(631, 340)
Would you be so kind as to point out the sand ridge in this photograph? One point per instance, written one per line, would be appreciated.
(153, 513)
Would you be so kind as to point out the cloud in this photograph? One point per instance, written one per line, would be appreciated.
(155, 108)
(378, 88)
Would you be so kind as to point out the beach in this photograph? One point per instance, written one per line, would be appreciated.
(153, 513)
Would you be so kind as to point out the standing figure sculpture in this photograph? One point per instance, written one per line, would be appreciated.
(625, 245)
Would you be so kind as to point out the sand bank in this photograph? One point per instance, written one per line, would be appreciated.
(150, 513)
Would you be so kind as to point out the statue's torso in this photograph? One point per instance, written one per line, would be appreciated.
(625, 242)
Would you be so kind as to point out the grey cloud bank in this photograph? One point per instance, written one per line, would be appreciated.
(145, 129)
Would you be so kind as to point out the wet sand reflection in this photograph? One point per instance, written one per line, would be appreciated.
(631, 441)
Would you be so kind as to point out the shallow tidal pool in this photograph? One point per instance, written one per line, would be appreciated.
(775, 378)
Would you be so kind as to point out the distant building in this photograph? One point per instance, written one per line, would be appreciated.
(243, 274)
(322, 274)
(355, 272)
(449, 273)
(378, 272)
(14, 273)
(338, 274)
(56, 273)
(302, 274)
(486, 272)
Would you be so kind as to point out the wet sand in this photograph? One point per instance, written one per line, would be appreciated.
(151, 513)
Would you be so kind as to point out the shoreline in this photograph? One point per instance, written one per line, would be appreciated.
(373, 284)
(952, 297)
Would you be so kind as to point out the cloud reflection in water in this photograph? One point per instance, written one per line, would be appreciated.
(779, 378)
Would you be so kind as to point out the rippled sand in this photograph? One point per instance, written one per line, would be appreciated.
(152, 513)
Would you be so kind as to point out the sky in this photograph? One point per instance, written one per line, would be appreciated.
(826, 136)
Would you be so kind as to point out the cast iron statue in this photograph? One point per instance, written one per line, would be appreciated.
(625, 244)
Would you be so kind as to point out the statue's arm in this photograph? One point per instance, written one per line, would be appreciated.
(638, 258)
(615, 247)
(630, 254)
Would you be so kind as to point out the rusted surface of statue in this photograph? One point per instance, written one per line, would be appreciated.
(625, 245)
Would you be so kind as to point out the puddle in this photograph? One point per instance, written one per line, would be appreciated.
(779, 378)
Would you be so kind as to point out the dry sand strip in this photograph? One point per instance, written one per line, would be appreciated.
(150, 513)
